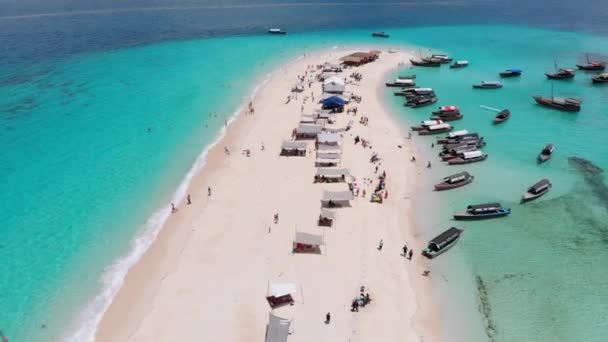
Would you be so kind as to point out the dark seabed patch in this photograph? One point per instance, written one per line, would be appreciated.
(485, 309)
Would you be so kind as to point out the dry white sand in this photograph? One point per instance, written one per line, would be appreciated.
(207, 275)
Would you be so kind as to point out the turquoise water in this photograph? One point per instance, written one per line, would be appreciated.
(542, 267)
(95, 144)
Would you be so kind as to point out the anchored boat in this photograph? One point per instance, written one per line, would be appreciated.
(455, 181)
(535, 191)
(442, 242)
(546, 153)
(468, 157)
(488, 85)
(502, 116)
(483, 211)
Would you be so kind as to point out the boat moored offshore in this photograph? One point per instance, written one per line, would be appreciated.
(502, 116)
(455, 181)
(380, 34)
(483, 211)
(535, 191)
(436, 129)
(546, 153)
(488, 85)
(459, 64)
(276, 31)
(601, 78)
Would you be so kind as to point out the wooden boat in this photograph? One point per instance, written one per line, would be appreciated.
(425, 63)
(546, 153)
(426, 124)
(502, 116)
(447, 117)
(488, 85)
(406, 77)
(592, 65)
(443, 59)
(510, 73)
(419, 95)
(469, 143)
(458, 138)
(454, 181)
(560, 74)
(380, 35)
(436, 129)
(451, 153)
(483, 211)
(601, 78)
(563, 104)
(276, 31)
(536, 190)
(421, 102)
(415, 92)
(468, 157)
(447, 110)
(459, 64)
(441, 243)
(400, 82)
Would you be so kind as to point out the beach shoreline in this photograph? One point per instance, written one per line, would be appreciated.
(132, 303)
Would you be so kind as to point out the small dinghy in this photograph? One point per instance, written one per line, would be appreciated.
(502, 116)
(546, 153)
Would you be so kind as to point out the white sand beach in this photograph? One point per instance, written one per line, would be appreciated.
(207, 275)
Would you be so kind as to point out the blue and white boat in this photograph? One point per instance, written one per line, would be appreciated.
(483, 211)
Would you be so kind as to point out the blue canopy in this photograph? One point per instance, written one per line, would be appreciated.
(517, 71)
(333, 102)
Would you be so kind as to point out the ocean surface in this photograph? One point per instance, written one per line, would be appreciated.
(106, 112)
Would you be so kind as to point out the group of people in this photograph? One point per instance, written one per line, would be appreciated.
(360, 301)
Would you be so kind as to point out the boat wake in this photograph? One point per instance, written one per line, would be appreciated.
(87, 321)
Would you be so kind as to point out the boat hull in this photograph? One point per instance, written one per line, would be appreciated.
(507, 75)
(439, 131)
(425, 64)
(527, 197)
(447, 186)
(548, 103)
(591, 67)
(470, 217)
(560, 76)
(460, 161)
(481, 86)
(432, 255)
(447, 118)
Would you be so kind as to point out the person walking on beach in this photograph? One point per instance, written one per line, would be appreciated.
(276, 218)
(208, 191)
(428, 166)
(432, 145)
(413, 159)
(327, 318)
(173, 208)
(189, 200)
(411, 254)
(405, 250)
(380, 245)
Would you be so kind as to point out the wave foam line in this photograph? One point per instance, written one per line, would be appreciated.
(88, 320)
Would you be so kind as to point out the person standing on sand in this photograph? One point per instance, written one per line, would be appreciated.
(405, 250)
(189, 200)
(380, 245)
(173, 208)
(428, 166)
(411, 254)
(327, 318)
(208, 191)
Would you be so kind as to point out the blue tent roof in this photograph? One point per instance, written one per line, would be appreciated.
(333, 102)
(519, 71)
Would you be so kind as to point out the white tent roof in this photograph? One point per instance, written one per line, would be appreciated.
(309, 129)
(346, 195)
(281, 289)
(404, 81)
(309, 239)
(277, 329)
(329, 214)
(326, 148)
(328, 155)
(294, 145)
(328, 138)
(335, 80)
(332, 172)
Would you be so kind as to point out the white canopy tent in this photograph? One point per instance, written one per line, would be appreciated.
(337, 196)
(327, 138)
(332, 172)
(277, 329)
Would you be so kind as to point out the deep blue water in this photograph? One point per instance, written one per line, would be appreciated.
(34, 29)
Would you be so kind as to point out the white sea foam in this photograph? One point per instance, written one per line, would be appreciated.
(87, 321)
